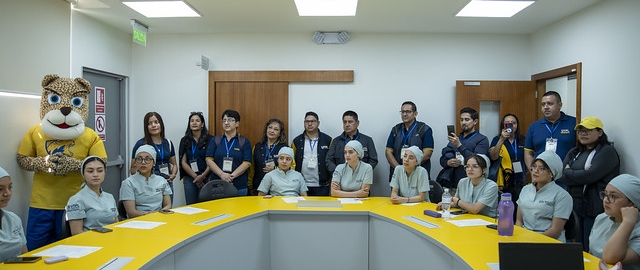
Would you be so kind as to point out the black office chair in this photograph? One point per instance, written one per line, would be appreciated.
(572, 227)
(217, 189)
(435, 191)
(66, 230)
(122, 212)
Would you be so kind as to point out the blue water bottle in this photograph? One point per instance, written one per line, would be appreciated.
(505, 215)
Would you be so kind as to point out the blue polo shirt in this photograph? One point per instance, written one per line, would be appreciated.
(231, 148)
(542, 129)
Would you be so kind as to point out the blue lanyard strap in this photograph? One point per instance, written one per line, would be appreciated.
(269, 150)
(514, 146)
(407, 135)
(554, 129)
(228, 146)
(160, 150)
(347, 139)
(312, 144)
(193, 149)
(462, 140)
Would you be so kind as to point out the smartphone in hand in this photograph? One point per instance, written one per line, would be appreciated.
(451, 129)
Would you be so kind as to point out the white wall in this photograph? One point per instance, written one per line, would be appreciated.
(604, 38)
(389, 69)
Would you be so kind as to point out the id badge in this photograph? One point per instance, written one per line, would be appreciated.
(403, 150)
(552, 144)
(194, 165)
(517, 167)
(164, 168)
(312, 164)
(269, 163)
(227, 164)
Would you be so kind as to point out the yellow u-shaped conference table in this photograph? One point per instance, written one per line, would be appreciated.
(260, 233)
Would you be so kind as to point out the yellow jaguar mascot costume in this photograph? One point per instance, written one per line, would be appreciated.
(54, 150)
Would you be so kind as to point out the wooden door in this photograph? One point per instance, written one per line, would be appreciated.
(256, 102)
(517, 97)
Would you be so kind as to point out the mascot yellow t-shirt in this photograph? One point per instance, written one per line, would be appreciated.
(47, 192)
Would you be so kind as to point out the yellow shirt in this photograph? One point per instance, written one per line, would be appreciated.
(50, 191)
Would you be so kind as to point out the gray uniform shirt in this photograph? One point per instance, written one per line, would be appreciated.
(147, 194)
(97, 211)
(12, 237)
(486, 193)
(602, 230)
(279, 183)
(351, 180)
(539, 208)
(413, 184)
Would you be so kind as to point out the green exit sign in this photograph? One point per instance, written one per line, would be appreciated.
(139, 36)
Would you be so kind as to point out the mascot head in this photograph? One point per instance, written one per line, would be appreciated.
(64, 106)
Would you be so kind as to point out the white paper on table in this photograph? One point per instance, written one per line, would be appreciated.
(145, 225)
(292, 199)
(410, 204)
(469, 222)
(69, 251)
(350, 200)
(451, 215)
(189, 210)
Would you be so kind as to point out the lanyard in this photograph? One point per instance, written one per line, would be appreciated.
(312, 144)
(462, 140)
(514, 146)
(269, 150)
(347, 139)
(406, 136)
(160, 150)
(193, 149)
(554, 129)
(228, 147)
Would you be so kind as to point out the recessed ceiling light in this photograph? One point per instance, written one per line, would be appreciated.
(493, 8)
(326, 7)
(162, 9)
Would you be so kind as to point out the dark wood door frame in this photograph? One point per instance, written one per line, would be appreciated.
(541, 84)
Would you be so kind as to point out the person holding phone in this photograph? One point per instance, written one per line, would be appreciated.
(145, 192)
(91, 207)
(509, 145)
(12, 238)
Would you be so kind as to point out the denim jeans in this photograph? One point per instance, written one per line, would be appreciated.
(242, 192)
(191, 191)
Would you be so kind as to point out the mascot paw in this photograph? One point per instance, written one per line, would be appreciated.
(37, 164)
(67, 164)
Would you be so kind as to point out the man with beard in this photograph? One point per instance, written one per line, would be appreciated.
(469, 142)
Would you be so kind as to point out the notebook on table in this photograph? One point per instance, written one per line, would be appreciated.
(547, 256)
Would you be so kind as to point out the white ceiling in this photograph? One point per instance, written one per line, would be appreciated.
(373, 16)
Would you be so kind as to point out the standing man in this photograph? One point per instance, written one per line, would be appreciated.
(350, 124)
(553, 132)
(409, 133)
(310, 150)
(460, 148)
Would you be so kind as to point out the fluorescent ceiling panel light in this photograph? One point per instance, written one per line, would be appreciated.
(162, 9)
(494, 8)
(326, 7)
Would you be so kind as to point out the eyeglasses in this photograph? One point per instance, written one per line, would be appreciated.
(469, 167)
(537, 169)
(310, 121)
(194, 113)
(406, 112)
(584, 131)
(611, 197)
(229, 120)
(146, 160)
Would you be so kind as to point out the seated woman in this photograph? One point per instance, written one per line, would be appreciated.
(615, 236)
(475, 193)
(145, 192)
(352, 179)
(409, 182)
(91, 207)
(283, 181)
(544, 206)
(12, 239)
